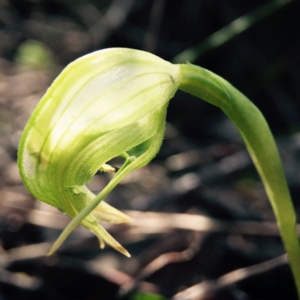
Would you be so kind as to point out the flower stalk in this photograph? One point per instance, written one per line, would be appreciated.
(260, 145)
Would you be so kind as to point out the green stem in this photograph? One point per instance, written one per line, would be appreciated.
(229, 31)
(260, 144)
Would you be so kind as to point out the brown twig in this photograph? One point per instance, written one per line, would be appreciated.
(152, 222)
(160, 262)
(210, 287)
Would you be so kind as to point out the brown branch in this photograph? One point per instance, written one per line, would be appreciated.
(210, 287)
(152, 222)
(160, 262)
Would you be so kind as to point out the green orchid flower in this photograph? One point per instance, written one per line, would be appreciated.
(108, 104)
(112, 103)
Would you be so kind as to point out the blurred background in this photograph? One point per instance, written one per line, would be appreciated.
(200, 211)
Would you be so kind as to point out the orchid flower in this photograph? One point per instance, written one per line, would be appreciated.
(112, 103)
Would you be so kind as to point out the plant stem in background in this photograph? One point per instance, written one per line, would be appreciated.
(230, 31)
(260, 144)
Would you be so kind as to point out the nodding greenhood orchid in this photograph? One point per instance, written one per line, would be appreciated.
(112, 103)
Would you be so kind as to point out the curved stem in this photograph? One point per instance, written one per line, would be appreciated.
(260, 144)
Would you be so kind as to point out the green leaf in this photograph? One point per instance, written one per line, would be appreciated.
(34, 54)
(146, 296)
